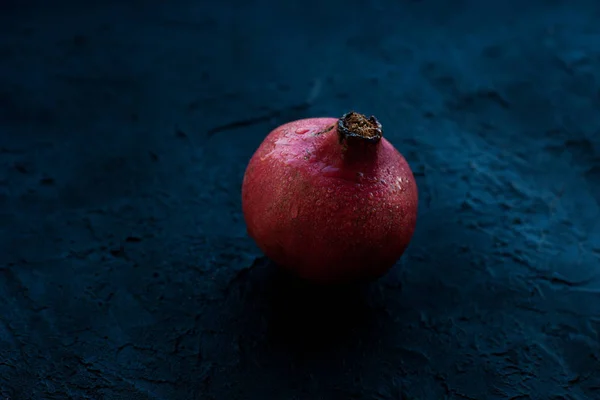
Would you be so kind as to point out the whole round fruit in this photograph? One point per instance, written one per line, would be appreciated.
(330, 200)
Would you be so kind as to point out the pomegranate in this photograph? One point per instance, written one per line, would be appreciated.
(330, 200)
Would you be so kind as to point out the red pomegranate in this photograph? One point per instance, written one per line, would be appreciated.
(329, 199)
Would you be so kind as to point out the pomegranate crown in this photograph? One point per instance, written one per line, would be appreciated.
(355, 125)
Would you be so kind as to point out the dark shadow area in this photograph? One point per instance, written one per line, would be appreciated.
(309, 318)
(349, 340)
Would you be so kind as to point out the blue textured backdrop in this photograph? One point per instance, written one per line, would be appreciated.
(125, 270)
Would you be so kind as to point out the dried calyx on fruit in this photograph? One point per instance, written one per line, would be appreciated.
(355, 125)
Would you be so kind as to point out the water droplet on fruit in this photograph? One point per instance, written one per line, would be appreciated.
(295, 211)
(301, 131)
(372, 179)
(371, 195)
(330, 171)
(399, 184)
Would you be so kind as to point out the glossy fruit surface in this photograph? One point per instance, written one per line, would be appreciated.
(330, 199)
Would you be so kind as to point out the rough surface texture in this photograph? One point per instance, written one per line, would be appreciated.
(125, 270)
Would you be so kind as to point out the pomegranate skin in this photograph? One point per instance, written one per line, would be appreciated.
(327, 209)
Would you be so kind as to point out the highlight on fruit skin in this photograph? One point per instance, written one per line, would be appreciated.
(330, 200)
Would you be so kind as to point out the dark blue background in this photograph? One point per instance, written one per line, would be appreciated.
(125, 269)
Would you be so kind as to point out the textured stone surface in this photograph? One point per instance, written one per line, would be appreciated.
(125, 271)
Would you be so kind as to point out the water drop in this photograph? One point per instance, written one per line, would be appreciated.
(301, 131)
(330, 171)
(294, 211)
